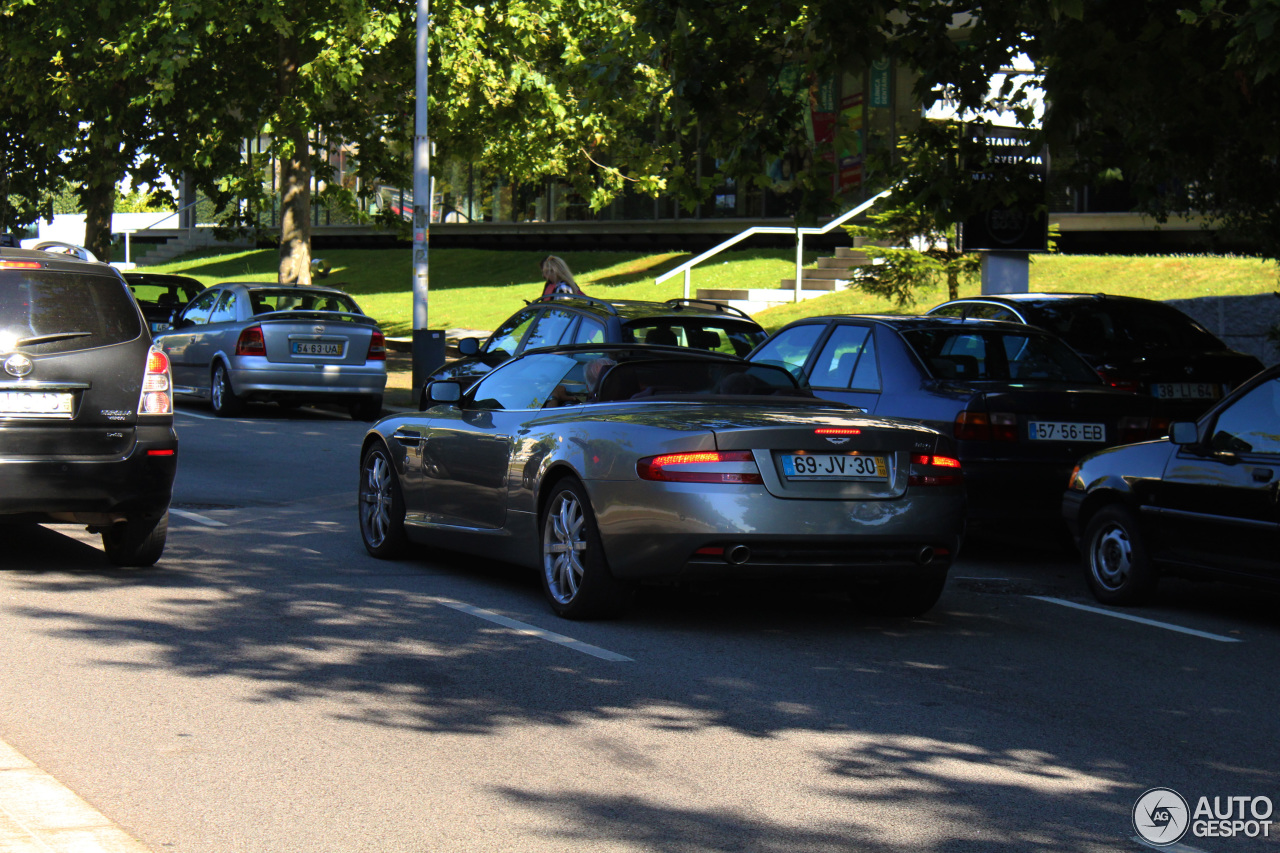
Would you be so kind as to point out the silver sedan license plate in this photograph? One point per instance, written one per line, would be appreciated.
(1185, 390)
(834, 466)
(1065, 431)
(317, 348)
(29, 404)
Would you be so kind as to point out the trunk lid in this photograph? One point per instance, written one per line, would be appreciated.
(317, 337)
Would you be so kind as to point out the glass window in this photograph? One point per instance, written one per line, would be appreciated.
(791, 348)
(198, 311)
(590, 331)
(969, 356)
(528, 382)
(299, 299)
(506, 340)
(1252, 423)
(842, 360)
(52, 312)
(549, 328)
(225, 312)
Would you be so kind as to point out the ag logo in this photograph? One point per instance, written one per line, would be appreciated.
(17, 365)
(1161, 817)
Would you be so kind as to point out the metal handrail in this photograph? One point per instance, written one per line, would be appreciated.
(768, 229)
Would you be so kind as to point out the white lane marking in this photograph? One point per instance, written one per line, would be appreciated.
(199, 519)
(1168, 627)
(38, 813)
(534, 631)
(1176, 847)
(191, 414)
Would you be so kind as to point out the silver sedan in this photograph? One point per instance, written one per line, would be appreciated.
(603, 467)
(241, 341)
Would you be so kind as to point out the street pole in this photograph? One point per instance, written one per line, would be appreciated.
(422, 340)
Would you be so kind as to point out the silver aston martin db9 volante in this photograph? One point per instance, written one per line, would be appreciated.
(605, 466)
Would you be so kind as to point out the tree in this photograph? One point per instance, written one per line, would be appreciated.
(74, 91)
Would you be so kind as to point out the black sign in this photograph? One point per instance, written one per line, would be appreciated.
(1008, 229)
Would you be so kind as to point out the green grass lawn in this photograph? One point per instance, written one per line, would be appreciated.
(476, 289)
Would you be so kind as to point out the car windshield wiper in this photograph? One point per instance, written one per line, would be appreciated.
(56, 336)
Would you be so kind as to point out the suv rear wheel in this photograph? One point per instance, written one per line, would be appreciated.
(138, 541)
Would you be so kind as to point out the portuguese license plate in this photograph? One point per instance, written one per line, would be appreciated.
(317, 347)
(1185, 390)
(35, 404)
(1065, 431)
(834, 466)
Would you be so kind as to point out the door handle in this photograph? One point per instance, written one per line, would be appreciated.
(1262, 475)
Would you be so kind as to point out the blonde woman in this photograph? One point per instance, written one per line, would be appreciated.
(559, 280)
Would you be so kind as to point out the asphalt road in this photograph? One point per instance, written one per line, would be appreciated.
(270, 687)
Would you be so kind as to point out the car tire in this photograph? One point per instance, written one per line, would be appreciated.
(366, 408)
(575, 574)
(221, 395)
(380, 504)
(1115, 558)
(905, 598)
(136, 542)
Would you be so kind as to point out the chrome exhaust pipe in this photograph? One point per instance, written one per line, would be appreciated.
(738, 554)
(925, 555)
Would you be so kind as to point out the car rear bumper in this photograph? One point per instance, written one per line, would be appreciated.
(253, 376)
(91, 490)
(1015, 489)
(681, 530)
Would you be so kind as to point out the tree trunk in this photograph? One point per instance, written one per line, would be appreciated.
(295, 175)
(99, 200)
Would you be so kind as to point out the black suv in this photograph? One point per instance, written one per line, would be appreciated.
(1138, 345)
(564, 318)
(86, 405)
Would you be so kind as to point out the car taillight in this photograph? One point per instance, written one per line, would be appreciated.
(250, 342)
(983, 426)
(929, 470)
(1116, 382)
(705, 466)
(1134, 429)
(377, 348)
(157, 396)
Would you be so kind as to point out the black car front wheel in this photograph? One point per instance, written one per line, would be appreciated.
(575, 573)
(136, 542)
(1115, 558)
(381, 505)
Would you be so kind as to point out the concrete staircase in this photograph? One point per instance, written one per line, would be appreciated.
(830, 274)
(180, 242)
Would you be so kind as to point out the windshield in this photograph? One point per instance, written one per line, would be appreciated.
(706, 333)
(1099, 324)
(47, 312)
(265, 300)
(970, 355)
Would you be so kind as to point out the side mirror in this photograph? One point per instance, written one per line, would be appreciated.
(1184, 433)
(444, 392)
(468, 346)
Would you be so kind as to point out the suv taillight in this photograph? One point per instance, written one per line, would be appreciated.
(157, 397)
(251, 342)
(377, 348)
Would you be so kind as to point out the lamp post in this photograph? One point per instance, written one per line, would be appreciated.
(428, 346)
